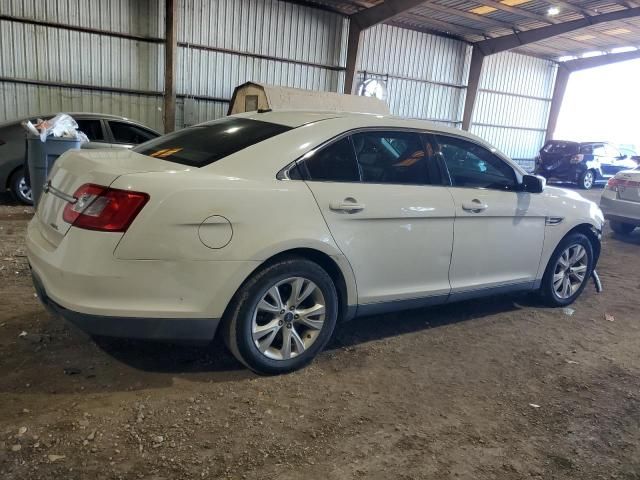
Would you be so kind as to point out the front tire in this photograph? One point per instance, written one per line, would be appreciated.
(587, 180)
(568, 270)
(282, 317)
(20, 189)
(621, 227)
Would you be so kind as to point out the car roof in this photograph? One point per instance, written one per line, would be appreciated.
(298, 118)
(83, 115)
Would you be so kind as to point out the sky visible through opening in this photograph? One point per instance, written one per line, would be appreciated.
(602, 104)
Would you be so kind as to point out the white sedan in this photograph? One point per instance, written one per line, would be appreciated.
(620, 201)
(273, 226)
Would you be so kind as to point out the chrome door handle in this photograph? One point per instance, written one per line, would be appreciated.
(348, 205)
(474, 206)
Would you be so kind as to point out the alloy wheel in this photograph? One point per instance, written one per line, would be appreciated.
(570, 271)
(288, 318)
(587, 182)
(24, 191)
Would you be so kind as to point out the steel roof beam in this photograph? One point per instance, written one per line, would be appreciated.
(509, 42)
(471, 16)
(599, 61)
(382, 12)
(450, 27)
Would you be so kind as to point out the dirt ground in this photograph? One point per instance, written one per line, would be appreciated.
(492, 389)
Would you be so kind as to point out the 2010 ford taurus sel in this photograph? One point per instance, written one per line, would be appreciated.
(273, 226)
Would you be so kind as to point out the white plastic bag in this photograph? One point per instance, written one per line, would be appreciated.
(62, 125)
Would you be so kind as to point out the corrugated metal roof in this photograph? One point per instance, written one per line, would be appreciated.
(456, 19)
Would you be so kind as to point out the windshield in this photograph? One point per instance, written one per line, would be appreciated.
(209, 142)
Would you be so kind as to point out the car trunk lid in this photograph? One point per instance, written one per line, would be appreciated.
(555, 155)
(78, 167)
(629, 186)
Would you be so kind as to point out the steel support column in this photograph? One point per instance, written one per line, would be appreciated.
(353, 45)
(475, 70)
(170, 60)
(562, 78)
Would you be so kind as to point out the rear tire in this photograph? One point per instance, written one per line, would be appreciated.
(587, 180)
(266, 327)
(621, 227)
(20, 190)
(568, 271)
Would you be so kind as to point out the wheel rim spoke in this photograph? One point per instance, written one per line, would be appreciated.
(300, 291)
(274, 294)
(286, 344)
(300, 347)
(264, 335)
(307, 316)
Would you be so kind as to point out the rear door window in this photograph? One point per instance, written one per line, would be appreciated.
(128, 133)
(209, 142)
(334, 163)
(92, 129)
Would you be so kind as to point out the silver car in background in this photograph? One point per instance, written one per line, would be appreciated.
(103, 131)
(620, 201)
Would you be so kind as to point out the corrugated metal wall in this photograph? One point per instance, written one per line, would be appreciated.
(427, 73)
(223, 43)
(228, 42)
(513, 103)
(53, 56)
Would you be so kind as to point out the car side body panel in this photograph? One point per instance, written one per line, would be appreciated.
(205, 230)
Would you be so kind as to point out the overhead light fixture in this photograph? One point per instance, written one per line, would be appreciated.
(617, 31)
(483, 10)
(623, 49)
(595, 53)
(513, 3)
(553, 11)
(566, 58)
(582, 38)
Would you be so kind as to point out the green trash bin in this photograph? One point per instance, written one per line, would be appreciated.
(41, 156)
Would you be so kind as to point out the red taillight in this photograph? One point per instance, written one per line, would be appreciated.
(614, 183)
(103, 208)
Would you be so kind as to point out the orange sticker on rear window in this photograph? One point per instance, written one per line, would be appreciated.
(165, 152)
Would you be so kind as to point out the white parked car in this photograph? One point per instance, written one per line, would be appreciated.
(620, 201)
(273, 226)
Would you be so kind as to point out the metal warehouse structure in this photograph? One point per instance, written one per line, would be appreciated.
(485, 65)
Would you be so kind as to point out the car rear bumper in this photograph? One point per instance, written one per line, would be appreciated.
(179, 330)
(82, 280)
(619, 210)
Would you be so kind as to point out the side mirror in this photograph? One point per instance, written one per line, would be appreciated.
(533, 183)
(622, 157)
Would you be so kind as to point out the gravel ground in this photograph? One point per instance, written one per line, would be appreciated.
(494, 389)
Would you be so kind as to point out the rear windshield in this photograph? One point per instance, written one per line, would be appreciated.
(209, 142)
(560, 147)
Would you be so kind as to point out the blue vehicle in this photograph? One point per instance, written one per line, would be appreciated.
(585, 164)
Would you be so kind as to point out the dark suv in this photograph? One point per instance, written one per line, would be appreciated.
(585, 164)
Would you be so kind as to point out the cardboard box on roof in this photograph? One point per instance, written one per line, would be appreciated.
(253, 96)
